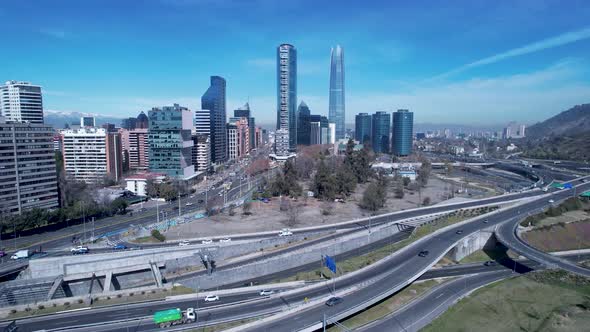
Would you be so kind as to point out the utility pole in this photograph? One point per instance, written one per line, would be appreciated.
(179, 205)
(157, 211)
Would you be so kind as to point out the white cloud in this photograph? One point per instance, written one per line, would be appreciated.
(563, 39)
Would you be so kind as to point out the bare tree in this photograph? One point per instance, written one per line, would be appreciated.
(247, 208)
(327, 208)
(293, 212)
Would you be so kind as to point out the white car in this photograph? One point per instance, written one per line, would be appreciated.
(207, 241)
(183, 243)
(551, 201)
(79, 250)
(266, 292)
(225, 240)
(285, 232)
(211, 298)
(189, 204)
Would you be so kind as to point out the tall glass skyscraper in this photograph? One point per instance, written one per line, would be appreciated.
(287, 93)
(303, 124)
(401, 138)
(381, 129)
(336, 107)
(214, 101)
(362, 127)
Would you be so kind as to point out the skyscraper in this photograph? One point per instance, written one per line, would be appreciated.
(287, 94)
(244, 112)
(170, 141)
(303, 124)
(401, 138)
(362, 127)
(214, 101)
(21, 102)
(336, 107)
(380, 130)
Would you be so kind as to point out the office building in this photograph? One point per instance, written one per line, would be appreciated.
(214, 101)
(287, 95)
(129, 123)
(315, 133)
(27, 168)
(336, 101)
(241, 138)
(381, 128)
(362, 127)
(203, 122)
(402, 135)
(142, 121)
(21, 102)
(87, 121)
(331, 137)
(244, 112)
(138, 149)
(303, 124)
(170, 141)
(201, 152)
(92, 155)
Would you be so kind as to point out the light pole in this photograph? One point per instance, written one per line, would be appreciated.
(157, 211)
(179, 204)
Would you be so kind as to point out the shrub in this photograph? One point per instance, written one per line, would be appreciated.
(80, 301)
(40, 307)
(131, 294)
(13, 311)
(27, 309)
(119, 295)
(66, 304)
(158, 236)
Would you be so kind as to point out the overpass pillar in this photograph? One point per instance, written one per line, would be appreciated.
(156, 273)
(108, 279)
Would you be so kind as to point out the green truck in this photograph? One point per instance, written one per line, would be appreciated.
(167, 318)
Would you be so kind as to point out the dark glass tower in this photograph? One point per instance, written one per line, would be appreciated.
(303, 124)
(336, 107)
(381, 129)
(362, 127)
(287, 94)
(214, 101)
(401, 138)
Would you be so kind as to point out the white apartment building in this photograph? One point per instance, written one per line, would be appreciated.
(202, 153)
(91, 154)
(21, 102)
(232, 141)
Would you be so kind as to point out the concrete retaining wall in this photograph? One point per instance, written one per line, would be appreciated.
(291, 260)
(479, 240)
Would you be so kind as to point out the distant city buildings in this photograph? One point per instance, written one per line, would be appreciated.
(27, 168)
(170, 141)
(381, 128)
(336, 100)
(21, 102)
(402, 134)
(363, 127)
(514, 130)
(214, 100)
(303, 124)
(286, 98)
(92, 155)
(87, 121)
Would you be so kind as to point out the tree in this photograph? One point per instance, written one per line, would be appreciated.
(371, 200)
(345, 180)
(424, 172)
(152, 188)
(448, 168)
(247, 208)
(426, 201)
(399, 189)
(168, 192)
(327, 208)
(324, 184)
(119, 205)
(406, 181)
(157, 235)
(293, 212)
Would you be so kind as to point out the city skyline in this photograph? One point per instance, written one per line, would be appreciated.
(495, 68)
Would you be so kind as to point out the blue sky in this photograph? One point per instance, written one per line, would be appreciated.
(471, 62)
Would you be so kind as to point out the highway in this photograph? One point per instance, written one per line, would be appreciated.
(421, 312)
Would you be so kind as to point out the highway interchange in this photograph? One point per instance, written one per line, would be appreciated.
(400, 270)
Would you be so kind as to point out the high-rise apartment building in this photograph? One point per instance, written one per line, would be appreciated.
(232, 141)
(21, 102)
(381, 129)
(287, 95)
(170, 141)
(214, 100)
(282, 142)
(87, 121)
(203, 122)
(138, 149)
(27, 168)
(362, 127)
(336, 103)
(92, 154)
(201, 153)
(331, 139)
(241, 137)
(303, 124)
(402, 135)
(244, 112)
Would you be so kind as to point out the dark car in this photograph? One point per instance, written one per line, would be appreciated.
(2, 253)
(333, 301)
(490, 263)
(120, 247)
(423, 253)
(459, 231)
(201, 201)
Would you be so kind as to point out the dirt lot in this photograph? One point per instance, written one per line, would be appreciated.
(560, 237)
(267, 216)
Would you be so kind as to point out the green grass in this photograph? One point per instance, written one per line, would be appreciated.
(485, 255)
(387, 306)
(560, 237)
(145, 239)
(358, 262)
(550, 300)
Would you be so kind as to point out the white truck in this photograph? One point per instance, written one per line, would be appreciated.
(21, 254)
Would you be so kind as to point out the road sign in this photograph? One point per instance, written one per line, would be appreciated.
(331, 263)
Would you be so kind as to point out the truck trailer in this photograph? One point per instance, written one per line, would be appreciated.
(170, 317)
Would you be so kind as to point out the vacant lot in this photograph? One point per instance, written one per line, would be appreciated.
(560, 237)
(267, 216)
(538, 301)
